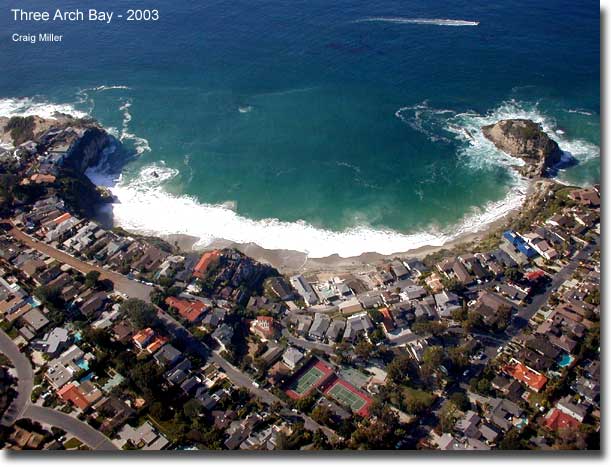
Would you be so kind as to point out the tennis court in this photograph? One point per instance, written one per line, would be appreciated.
(307, 380)
(346, 397)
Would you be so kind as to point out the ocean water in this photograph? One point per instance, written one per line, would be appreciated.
(327, 127)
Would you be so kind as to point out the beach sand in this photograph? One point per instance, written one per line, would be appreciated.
(293, 262)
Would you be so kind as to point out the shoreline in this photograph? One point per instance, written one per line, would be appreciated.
(293, 261)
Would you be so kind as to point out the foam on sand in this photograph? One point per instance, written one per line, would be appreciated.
(144, 205)
(428, 21)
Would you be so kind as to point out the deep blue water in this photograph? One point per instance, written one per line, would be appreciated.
(299, 110)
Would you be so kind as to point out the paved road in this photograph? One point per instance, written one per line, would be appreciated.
(121, 283)
(25, 379)
(81, 430)
(306, 344)
(525, 314)
(197, 347)
(238, 377)
(22, 407)
(138, 290)
(557, 280)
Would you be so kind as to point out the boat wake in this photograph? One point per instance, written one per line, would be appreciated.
(427, 21)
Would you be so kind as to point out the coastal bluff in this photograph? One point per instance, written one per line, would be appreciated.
(61, 149)
(526, 140)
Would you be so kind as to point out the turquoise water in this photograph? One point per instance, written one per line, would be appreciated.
(34, 302)
(83, 364)
(565, 360)
(317, 126)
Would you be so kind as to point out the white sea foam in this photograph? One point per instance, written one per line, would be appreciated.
(429, 21)
(145, 206)
(579, 111)
(476, 150)
(107, 87)
(23, 107)
(141, 144)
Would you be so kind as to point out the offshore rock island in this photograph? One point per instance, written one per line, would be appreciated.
(526, 140)
(114, 340)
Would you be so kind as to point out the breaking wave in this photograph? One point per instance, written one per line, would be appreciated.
(141, 144)
(144, 205)
(23, 107)
(430, 21)
(464, 129)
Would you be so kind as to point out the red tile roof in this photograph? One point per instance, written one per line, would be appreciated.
(207, 258)
(188, 309)
(71, 393)
(142, 337)
(558, 420)
(265, 324)
(523, 374)
(157, 343)
(388, 322)
(534, 275)
(62, 218)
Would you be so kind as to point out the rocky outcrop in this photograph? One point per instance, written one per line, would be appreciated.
(527, 141)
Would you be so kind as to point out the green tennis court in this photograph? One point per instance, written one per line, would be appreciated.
(346, 397)
(307, 380)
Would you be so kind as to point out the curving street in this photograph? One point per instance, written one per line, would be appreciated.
(25, 379)
(22, 407)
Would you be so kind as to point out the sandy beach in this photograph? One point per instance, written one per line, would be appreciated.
(292, 262)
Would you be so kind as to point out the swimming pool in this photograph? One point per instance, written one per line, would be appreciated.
(565, 360)
(83, 364)
(33, 302)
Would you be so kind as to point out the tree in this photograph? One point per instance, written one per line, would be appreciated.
(192, 408)
(398, 368)
(448, 416)
(144, 376)
(511, 441)
(513, 274)
(363, 349)
(377, 336)
(461, 401)
(434, 357)
(375, 315)
(453, 285)
(378, 433)
(322, 414)
(91, 279)
(417, 401)
(459, 357)
(140, 313)
(159, 411)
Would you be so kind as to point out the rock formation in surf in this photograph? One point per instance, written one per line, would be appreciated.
(527, 141)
